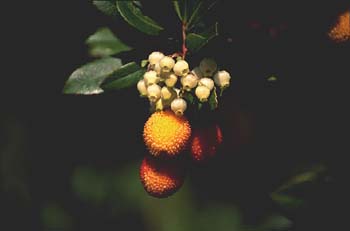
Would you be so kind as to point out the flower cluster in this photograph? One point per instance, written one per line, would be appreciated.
(166, 81)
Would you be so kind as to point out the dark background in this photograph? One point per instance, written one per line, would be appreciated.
(293, 122)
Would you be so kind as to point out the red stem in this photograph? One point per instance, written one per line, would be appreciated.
(184, 48)
(177, 54)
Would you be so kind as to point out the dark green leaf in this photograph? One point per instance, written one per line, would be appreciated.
(200, 105)
(276, 222)
(181, 8)
(303, 177)
(122, 72)
(127, 76)
(138, 3)
(287, 201)
(107, 7)
(104, 43)
(185, 11)
(213, 100)
(189, 97)
(286, 194)
(87, 79)
(197, 41)
(178, 10)
(133, 15)
(196, 14)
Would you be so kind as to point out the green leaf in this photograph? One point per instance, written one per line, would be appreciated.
(178, 10)
(104, 43)
(197, 13)
(200, 105)
(133, 15)
(197, 41)
(190, 12)
(272, 79)
(107, 7)
(287, 201)
(87, 79)
(189, 97)
(285, 194)
(276, 222)
(144, 62)
(213, 100)
(182, 8)
(306, 176)
(127, 76)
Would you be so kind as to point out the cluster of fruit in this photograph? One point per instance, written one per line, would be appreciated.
(170, 140)
(160, 83)
(167, 133)
(341, 31)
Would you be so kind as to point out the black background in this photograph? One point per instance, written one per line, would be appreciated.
(296, 120)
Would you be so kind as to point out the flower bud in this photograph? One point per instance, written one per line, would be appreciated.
(222, 79)
(154, 57)
(159, 105)
(141, 86)
(181, 68)
(177, 90)
(189, 81)
(168, 93)
(150, 78)
(202, 93)
(178, 106)
(157, 68)
(154, 92)
(171, 80)
(208, 67)
(207, 82)
(166, 64)
(197, 72)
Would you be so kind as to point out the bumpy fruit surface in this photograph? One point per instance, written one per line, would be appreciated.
(166, 134)
(205, 142)
(159, 178)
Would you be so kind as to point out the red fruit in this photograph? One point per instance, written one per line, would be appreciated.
(161, 178)
(205, 142)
